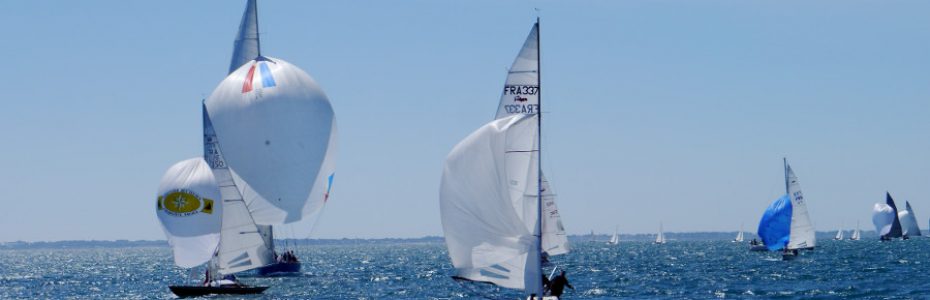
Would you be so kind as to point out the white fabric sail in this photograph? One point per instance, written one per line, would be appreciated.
(278, 133)
(802, 231)
(241, 246)
(246, 47)
(554, 238)
(521, 90)
(660, 238)
(855, 234)
(909, 221)
(839, 235)
(615, 239)
(739, 236)
(488, 216)
(188, 211)
(883, 218)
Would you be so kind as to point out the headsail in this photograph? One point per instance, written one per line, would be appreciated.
(909, 221)
(896, 230)
(278, 133)
(489, 206)
(241, 247)
(802, 231)
(775, 226)
(247, 46)
(190, 212)
(883, 217)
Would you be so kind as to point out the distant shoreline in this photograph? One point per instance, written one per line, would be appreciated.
(685, 236)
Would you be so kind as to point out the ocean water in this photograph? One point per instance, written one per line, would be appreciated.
(865, 269)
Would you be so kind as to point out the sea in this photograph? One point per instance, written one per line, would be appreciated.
(679, 269)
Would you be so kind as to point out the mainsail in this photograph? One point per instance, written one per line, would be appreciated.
(909, 221)
(190, 212)
(739, 235)
(802, 231)
(839, 235)
(883, 217)
(247, 46)
(489, 206)
(615, 239)
(775, 226)
(855, 234)
(896, 230)
(660, 238)
(241, 247)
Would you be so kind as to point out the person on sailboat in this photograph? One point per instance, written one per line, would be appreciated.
(558, 284)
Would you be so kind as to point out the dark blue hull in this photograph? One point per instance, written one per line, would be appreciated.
(279, 269)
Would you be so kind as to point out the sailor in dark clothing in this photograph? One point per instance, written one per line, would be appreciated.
(558, 284)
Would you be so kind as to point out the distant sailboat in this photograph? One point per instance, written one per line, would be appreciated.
(856, 234)
(909, 221)
(739, 235)
(615, 239)
(660, 238)
(885, 218)
(498, 213)
(839, 235)
(786, 225)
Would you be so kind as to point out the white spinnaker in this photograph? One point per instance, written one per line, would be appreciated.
(488, 220)
(278, 132)
(246, 47)
(241, 246)
(909, 221)
(883, 218)
(802, 231)
(521, 90)
(189, 211)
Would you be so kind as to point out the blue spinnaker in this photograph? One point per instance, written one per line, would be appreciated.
(775, 226)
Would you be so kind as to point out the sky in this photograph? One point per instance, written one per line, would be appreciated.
(677, 112)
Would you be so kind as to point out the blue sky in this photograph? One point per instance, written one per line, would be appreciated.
(673, 111)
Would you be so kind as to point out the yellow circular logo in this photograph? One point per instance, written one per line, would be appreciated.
(181, 202)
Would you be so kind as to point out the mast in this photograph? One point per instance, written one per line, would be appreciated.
(785, 160)
(539, 191)
(258, 43)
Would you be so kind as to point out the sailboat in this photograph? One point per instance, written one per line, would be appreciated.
(839, 235)
(885, 218)
(615, 239)
(498, 212)
(193, 216)
(856, 234)
(908, 221)
(786, 225)
(739, 235)
(247, 48)
(660, 238)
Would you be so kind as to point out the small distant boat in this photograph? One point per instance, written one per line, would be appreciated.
(839, 235)
(786, 225)
(885, 219)
(615, 239)
(660, 238)
(739, 236)
(856, 234)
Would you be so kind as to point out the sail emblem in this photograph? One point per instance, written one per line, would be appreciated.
(264, 71)
(329, 186)
(184, 203)
(519, 99)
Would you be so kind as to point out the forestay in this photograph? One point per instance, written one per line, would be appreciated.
(188, 209)
(242, 247)
(883, 218)
(802, 231)
(775, 226)
(489, 206)
(278, 133)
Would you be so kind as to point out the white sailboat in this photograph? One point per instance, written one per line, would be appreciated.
(739, 235)
(660, 238)
(786, 224)
(839, 235)
(856, 234)
(909, 221)
(498, 212)
(615, 239)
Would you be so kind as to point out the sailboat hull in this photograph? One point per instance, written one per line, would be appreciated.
(280, 269)
(197, 291)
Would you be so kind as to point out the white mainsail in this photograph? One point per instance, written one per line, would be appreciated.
(855, 234)
(246, 47)
(839, 235)
(488, 204)
(739, 236)
(660, 238)
(277, 130)
(802, 231)
(241, 246)
(615, 239)
(189, 211)
(909, 221)
(883, 218)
